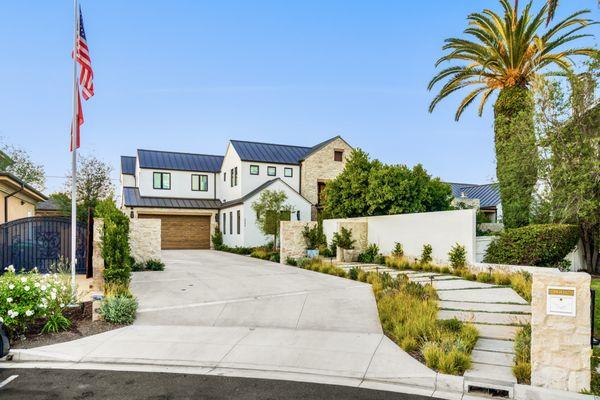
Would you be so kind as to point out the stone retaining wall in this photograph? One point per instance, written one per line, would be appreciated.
(97, 260)
(144, 238)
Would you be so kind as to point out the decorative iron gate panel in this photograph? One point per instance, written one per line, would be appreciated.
(40, 242)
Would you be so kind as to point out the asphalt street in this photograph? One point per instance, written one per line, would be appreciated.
(37, 384)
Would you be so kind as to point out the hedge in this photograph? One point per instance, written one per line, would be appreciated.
(536, 245)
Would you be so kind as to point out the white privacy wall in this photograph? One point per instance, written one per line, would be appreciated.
(442, 230)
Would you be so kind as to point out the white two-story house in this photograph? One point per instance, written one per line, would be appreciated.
(193, 194)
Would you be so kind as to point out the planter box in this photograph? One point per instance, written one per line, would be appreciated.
(345, 255)
(312, 253)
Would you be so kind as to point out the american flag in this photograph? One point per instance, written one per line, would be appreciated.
(86, 80)
(86, 75)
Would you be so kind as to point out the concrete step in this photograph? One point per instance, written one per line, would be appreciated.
(499, 332)
(485, 317)
(499, 346)
(492, 358)
(490, 373)
(492, 295)
(436, 278)
(425, 275)
(459, 284)
(485, 307)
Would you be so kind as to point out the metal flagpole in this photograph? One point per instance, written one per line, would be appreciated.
(74, 129)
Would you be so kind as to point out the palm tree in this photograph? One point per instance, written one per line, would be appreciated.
(505, 54)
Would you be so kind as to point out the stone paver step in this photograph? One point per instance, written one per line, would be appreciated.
(425, 274)
(492, 295)
(501, 332)
(499, 346)
(436, 278)
(485, 307)
(485, 317)
(459, 284)
(485, 373)
(492, 358)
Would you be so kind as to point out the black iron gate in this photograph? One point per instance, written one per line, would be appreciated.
(41, 242)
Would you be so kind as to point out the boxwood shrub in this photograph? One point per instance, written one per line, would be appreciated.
(537, 245)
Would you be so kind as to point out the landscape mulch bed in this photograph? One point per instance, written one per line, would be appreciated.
(81, 326)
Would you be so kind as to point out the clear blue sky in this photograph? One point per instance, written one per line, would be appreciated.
(189, 75)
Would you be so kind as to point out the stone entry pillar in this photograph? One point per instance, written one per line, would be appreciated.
(561, 330)
(292, 243)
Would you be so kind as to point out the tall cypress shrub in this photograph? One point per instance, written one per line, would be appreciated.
(115, 242)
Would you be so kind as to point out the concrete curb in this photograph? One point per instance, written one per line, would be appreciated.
(444, 386)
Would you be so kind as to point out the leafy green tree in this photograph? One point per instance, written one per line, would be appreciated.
(506, 53)
(569, 137)
(115, 242)
(271, 209)
(368, 187)
(346, 196)
(18, 162)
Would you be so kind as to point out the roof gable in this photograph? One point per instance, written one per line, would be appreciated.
(128, 165)
(179, 161)
(488, 194)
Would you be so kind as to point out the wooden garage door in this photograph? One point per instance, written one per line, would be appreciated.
(183, 231)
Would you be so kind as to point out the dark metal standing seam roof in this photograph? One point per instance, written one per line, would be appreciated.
(132, 198)
(179, 161)
(488, 194)
(128, 165)
(267, 152)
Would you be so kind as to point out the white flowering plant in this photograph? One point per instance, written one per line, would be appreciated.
(31, 298)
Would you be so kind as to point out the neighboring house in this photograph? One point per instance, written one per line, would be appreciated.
(484, 197)
(49, 208)
(193, 194)
(17, 198)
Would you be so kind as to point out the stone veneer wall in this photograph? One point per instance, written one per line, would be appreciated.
(560, 345)
(292, 242)
(321, 167)
(97, 260)
(360, 233)
(144, 238)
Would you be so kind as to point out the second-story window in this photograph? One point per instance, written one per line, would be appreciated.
(254, 169)
(338, 155)
(288, 172)
(161, 180)
(271, 171)
(199, 183)
(235, 173)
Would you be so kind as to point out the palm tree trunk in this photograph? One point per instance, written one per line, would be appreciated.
(516, 153)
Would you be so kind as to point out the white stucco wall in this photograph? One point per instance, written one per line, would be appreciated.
(224, 190)
(229, 238)
(442, 230)
(251, 182)
(181, 184)
(251, 235)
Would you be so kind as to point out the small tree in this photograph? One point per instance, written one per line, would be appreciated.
(93, 182)
(18, 162)
(426, 254)
(343, 239)
(270, 210)
(115, 243)
(458, 256)
(313, 237)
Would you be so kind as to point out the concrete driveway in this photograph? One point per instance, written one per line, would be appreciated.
(222, 314)
(211, 288)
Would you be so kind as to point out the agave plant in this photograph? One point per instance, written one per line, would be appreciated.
(505, 54)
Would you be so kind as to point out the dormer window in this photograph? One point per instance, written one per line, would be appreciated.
(161, 180)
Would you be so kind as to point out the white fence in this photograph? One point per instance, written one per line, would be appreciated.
(442, 230)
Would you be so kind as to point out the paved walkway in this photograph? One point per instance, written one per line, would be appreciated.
(497, 312)
(221, 313)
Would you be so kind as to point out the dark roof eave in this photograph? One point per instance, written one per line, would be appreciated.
(25, 185)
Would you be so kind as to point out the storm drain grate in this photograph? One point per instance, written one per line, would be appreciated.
(489, 392)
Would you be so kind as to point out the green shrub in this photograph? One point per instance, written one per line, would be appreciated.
(398, 250)
(291, 261)
(409, 344)
(31, 298)
(217, 239)
(458, 256)
(115, 242)
(343, 239)
(325, 251)
(454, 362)
(236, 250)
(155, 265)
(369, 255)
(432, 352)
(521, 283)
(536, 245)
(353, 273)
(501, 278)
(114, 289)
(119, 310)
(379, 259)
(426, 254)
(445, 270)
(261, 253)
(313, 237)
(522, 367)
(137, 266)
(485, 277)
(274, 257)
